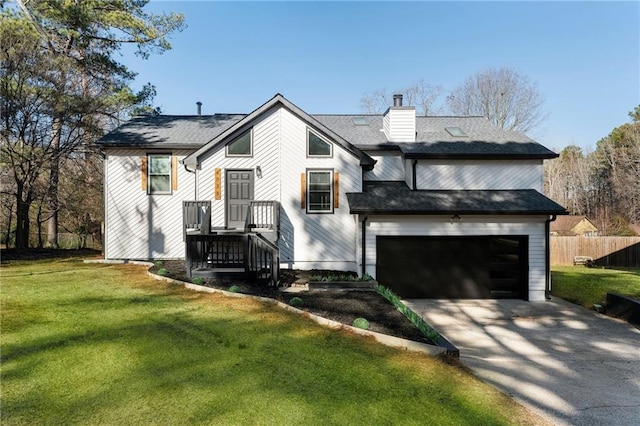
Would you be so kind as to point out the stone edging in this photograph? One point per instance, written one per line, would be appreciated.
(392, 341)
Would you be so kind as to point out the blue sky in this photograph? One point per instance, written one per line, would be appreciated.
(323, 56)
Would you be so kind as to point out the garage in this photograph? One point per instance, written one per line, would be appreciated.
(460, 267)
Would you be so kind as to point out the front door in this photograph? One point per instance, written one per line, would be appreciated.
(239, 185)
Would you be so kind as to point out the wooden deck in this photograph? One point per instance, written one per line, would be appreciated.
(251, 253)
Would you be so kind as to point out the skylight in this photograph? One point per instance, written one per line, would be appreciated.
(360, 121)
(455, 132)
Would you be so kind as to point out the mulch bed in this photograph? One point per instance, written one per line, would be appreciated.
(339, 305)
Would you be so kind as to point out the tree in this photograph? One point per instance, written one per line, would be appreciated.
(617, 169)
(568, 180)
(418, 93)
(507, 98)
(74, 44)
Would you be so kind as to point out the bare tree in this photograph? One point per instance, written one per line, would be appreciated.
(507, 98)
(419, 94)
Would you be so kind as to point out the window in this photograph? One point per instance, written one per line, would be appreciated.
(320, 191)
(316, 146)
(455, 132)
(159, 174)
(242, 146)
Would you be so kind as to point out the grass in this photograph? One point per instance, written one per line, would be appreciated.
(588, 286)
(105, 344)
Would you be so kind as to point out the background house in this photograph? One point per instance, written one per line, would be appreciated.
(573, 225)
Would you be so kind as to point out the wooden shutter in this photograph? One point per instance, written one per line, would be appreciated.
(174, 173)
(303, 190)
(336, 190)
(143, 173)
(217, 188)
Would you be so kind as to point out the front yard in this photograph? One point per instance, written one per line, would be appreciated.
(105, 344)
(588, 286)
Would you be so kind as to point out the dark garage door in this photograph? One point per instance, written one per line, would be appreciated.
(486, 267)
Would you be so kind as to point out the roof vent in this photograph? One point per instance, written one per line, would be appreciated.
(199, 104)
(397, 100)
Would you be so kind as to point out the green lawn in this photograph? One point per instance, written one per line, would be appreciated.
(105, 344)
(587, 286)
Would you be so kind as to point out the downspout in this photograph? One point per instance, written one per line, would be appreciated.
(547, 256)
(364, 245)
(414, 165)
(195, 183)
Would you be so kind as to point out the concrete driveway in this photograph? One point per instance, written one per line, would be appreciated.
(568, 364)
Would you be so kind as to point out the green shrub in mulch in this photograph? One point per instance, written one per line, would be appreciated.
(234, 289)
(415, 319)
(296, 302)
(162, 271)
(341, 277)
(361, 323)
(158, 263)
(197, 280)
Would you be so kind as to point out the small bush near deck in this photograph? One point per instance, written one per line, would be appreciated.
(341, 277)
(361, 323)
(234, 289)
(162, 271)
(296, 302)
(159, 263)
(198, 280)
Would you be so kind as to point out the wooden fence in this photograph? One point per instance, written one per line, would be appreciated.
(605, 251)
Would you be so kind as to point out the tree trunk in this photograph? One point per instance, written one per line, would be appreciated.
(8, 235)
(22, 219)
(52, 223)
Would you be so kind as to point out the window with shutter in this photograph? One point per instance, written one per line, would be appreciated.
(320, 191)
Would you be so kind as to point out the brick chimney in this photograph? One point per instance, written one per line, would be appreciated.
(400, 122)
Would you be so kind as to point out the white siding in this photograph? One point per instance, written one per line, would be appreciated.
(389, 166)
(478, 174)
(279, 147)
(138, 225)
(471, 225)
(399, 124)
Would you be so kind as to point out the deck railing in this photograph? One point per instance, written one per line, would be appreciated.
(196, 217)
(263, 216)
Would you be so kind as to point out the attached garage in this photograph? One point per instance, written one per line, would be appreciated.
(454, 267)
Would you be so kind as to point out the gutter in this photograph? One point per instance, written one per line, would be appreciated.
(547, 256)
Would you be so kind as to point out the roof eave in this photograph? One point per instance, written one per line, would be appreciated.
(469, 156)
(460, 212)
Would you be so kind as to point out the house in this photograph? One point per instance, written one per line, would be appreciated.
(441, 207)
(573, 225)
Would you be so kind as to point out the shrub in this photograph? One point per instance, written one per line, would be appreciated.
(159, 263)
(361, 323)
(415, 319)
(198, 280)
(163, 271)
(296, 302)
(234, 289)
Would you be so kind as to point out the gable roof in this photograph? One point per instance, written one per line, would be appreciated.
(276, 101)
(396, 198)
(483, 139)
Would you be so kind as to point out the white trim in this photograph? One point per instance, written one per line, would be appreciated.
(309, 155)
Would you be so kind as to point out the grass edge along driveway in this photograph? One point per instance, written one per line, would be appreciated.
(105, 344)
(588, 286)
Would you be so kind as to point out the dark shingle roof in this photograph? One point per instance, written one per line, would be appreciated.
(396, 198)
(170, 131)
(434, 141)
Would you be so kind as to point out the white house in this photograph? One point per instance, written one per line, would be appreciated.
(446, 207)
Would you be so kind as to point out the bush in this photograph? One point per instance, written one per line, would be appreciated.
(163, 271)
(296, 302)
(197, 280)
(159, 263)
(361, 323)
(234, 289)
